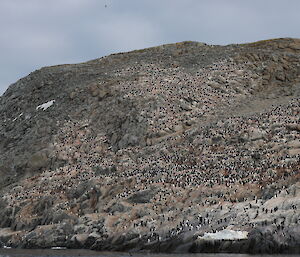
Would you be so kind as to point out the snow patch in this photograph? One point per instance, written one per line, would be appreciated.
(58, 248)
(225, 234)
(45, 106)
(18, 117)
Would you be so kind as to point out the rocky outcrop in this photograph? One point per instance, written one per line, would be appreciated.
(168, 149)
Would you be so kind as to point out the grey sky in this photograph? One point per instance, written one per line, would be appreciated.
(37, 33)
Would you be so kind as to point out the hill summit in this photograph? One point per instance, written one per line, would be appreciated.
(184, 147)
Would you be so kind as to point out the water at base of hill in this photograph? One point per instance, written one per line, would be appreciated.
(83, 253)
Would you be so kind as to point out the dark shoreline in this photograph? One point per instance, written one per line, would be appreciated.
(83, 252)
(258, 242)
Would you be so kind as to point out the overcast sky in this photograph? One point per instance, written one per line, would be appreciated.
(37, 33)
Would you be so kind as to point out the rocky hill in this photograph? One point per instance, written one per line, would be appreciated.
(185, 147)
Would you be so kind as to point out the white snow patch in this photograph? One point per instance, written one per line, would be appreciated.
(58, 248)
(45, 106)
(225, 234)
(18, 116)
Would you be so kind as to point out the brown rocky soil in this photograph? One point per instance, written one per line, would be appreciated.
(154, 149)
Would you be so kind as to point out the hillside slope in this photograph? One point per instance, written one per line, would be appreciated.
(183, 147)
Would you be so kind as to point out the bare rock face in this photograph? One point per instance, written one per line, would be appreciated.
(172, 148)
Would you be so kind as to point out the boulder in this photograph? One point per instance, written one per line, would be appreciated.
(293, 127)
(142, 197)
(103, 92)
(178, 127)
(128, 140)
(101, 170)
(293, 152)
(80, 239)
(79, 190)
(295, 45)
(294, 144)
(38, 160)
(256, 134)
(43, 204)
(100, 91)
(117, 207)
